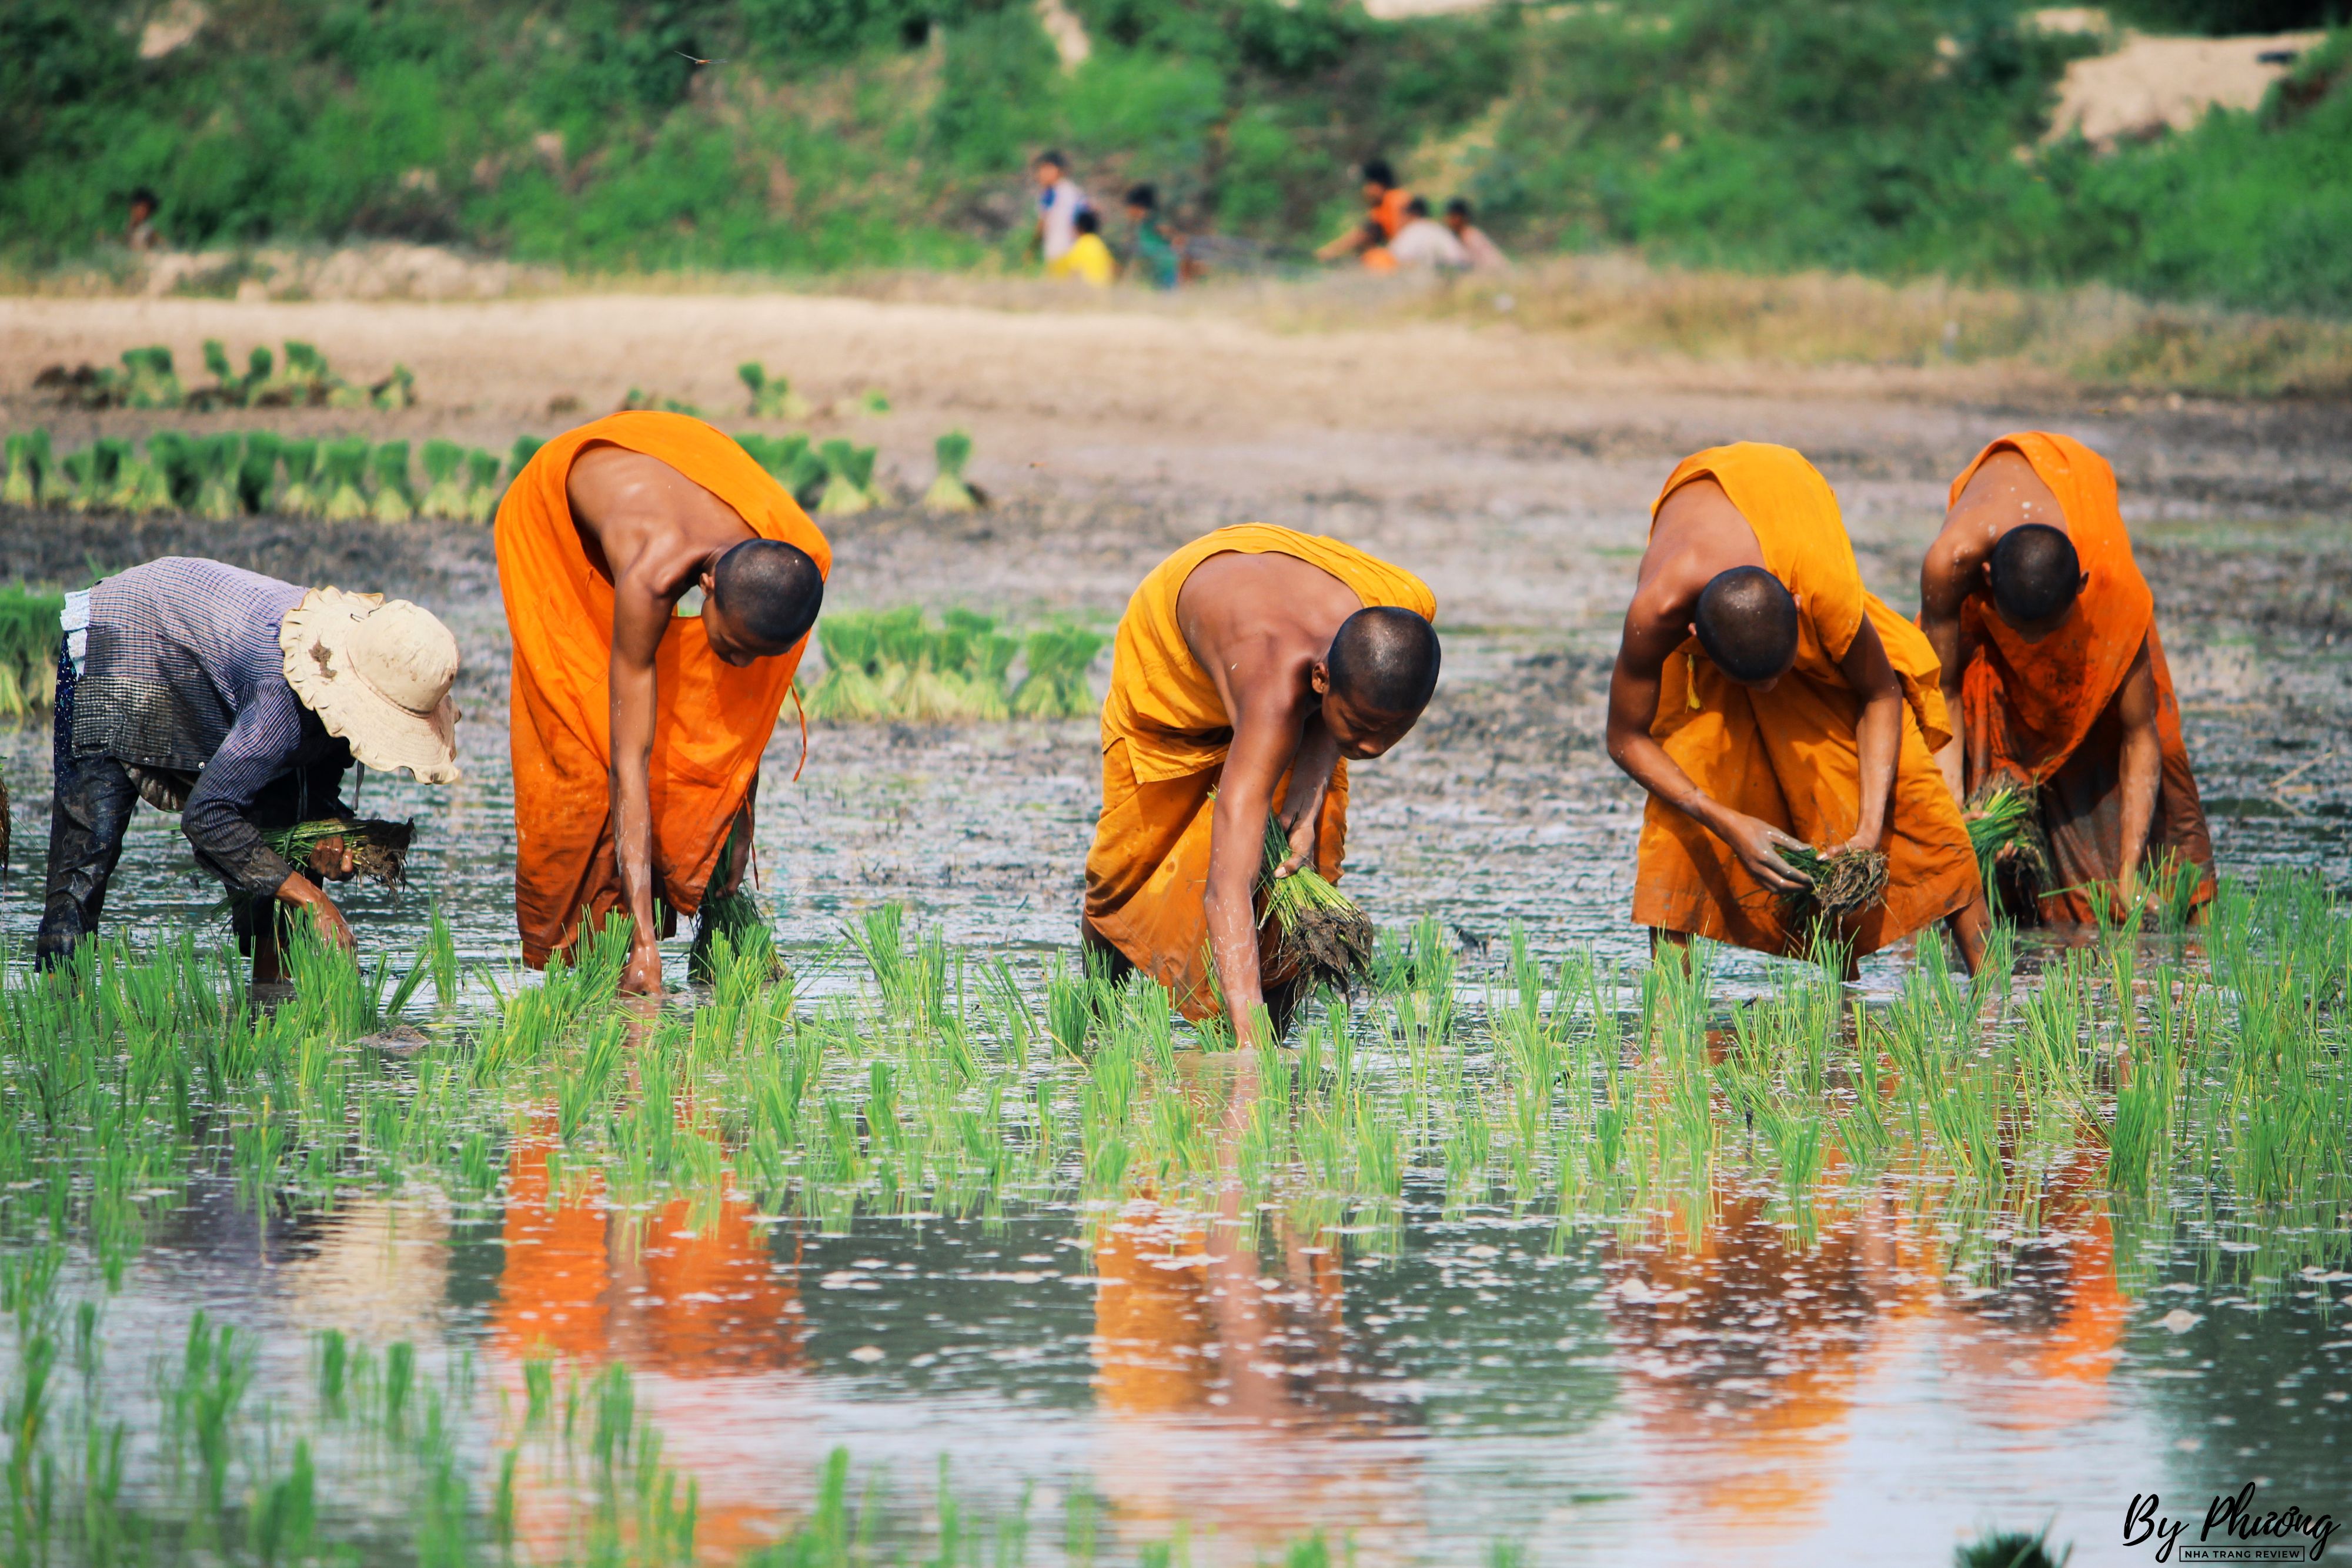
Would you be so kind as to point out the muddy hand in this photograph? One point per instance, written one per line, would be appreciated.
(1301, 834)
(1758, 845)
(331, 858)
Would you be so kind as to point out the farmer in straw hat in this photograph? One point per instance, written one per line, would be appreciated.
(1249, 666)
(659, 586)
(1766, 700)
(2046, 633)
(237, 701)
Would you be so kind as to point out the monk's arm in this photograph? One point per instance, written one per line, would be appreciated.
(2141, 765)
(1877, 731)
(1632, 705)
(1264, 740)
(1310, 781)
(1943, 587)
(640, 616)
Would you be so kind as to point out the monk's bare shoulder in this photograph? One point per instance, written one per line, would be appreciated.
(1698, 534)
(2004, 493)
(640, 516)
(1244, 612)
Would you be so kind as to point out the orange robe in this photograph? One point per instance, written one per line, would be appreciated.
(2044, 714)
(713, 721)
(1164, 736)
(1788, 756)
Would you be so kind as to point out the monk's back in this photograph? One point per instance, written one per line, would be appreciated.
(1697, 533)
(1235, 601)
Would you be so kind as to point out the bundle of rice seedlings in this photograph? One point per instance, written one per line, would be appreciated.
(392, 503)
(2006, 835)
(148, 380)
(296, 497)
(1055, 686)
(302, 381)
(1840, 883)
(1326, 939)
(444, 495)
(29, 650)
(772, 396)
(738, 917)
(227, 386)
(216, 498)
(802, 469)
(949, 493)
(481, 486)
(972, 654)
(525, 447)
(849, 470)
(872, 401)
(256, 474)
(850, 692)
(346, 470)
(143, 482)
(28, 454)
(73, 489)
(379, 849)
(49, 484)
(396, 390)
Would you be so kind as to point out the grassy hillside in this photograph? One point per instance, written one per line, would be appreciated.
(1896, 137)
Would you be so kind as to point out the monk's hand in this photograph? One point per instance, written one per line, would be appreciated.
(643, 974)
(331, 858)
(1758, 845)
(1300, 831)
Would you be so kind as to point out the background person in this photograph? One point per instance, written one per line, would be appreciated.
(1384, 214)
(1089, 260)
(140, 233)
(237, 701)
(1059, 202)
(1425, 245)
(1482, 254)
(1157, 255)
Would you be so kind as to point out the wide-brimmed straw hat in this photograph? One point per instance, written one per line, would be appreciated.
(378, 674)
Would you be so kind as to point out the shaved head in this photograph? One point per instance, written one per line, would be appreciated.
(1746, 622)
(1384, 660)
(770, 588)
(2036, 574)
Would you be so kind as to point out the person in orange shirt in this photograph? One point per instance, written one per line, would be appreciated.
(1249, 666)
(638, 729)
(2046, 633)
(1384, 214)
(1765, 699)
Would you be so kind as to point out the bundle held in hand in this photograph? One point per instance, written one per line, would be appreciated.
(1327, 938)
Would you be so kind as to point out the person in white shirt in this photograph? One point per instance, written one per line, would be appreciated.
(1059, 202)
(1424, 244)
(1485, 255)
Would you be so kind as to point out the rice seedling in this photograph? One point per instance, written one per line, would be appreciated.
(392, 502)
(141, 484)
(772, 396)
(216, 498)
(346, 471)
(1055, 685)
(296, 497)
(520, 454)
(1839, 884)
(28, 463)
(256, 471)
(444, 495)
(148, 380)
(948, 492)
(28, 649)
(482, 493)
(2005, 832)
(849, 478)
(1326, 937)
(379, 849)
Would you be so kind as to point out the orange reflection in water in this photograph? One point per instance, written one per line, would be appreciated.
(690, 1294)
(1747, 1344)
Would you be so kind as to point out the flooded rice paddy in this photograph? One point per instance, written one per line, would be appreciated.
(1529, 1254)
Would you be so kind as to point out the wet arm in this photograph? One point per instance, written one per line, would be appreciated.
(640, 616)
(1877, 730)
(2141, 765)
(1943, 588)
(1310, 781)
(1263, 744)
(260, 746)
(1632, 707)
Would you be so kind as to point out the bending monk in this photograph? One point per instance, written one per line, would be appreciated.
(1247, 665)
(638, 723)
(1764, 699)
(2046, 631)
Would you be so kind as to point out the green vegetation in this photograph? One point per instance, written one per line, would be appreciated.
(226, 475)
(893, 664)
(1897, 138)
(147, 379)
(29, 650)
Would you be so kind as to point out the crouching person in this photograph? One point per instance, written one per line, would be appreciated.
(237, 701)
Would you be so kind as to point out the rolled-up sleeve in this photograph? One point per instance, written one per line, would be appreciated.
(262, 745)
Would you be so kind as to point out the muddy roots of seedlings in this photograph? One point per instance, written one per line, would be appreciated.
(738, 919)
(1327, 938)
(2011, 850)
(1842, 882)
(378, 848)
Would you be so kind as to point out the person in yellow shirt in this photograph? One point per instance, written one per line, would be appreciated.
(1088, 259)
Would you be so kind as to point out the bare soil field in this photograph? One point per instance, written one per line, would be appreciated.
(1512, 469)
